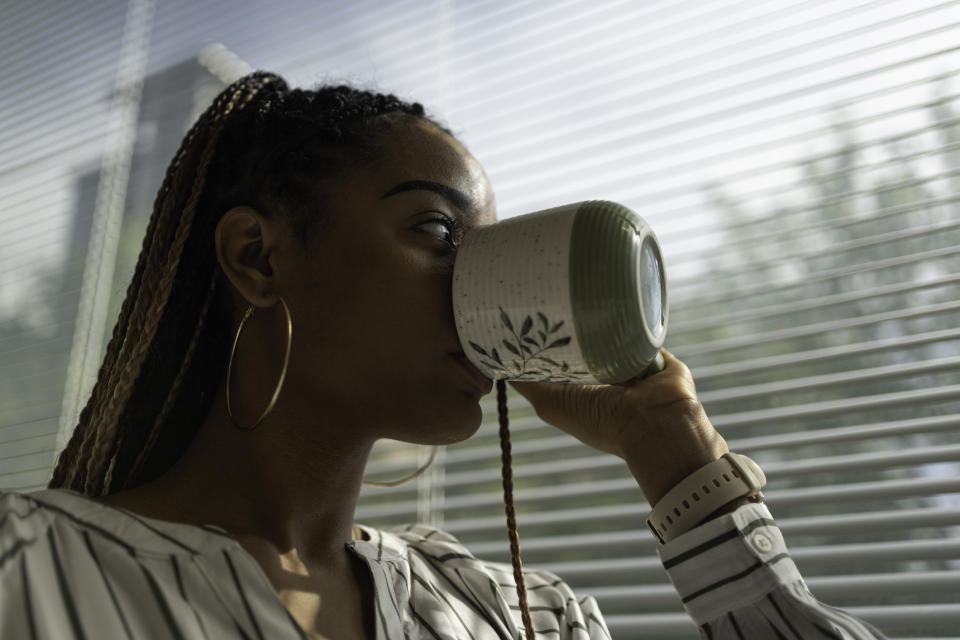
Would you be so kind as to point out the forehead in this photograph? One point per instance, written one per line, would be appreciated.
(412, 150)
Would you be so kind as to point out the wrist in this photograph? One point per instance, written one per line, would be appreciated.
(660, 458)
(658, 476)
(713, 490)
(657, 481)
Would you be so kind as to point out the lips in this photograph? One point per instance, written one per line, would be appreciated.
(482, 382)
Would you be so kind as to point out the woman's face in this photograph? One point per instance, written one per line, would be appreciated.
(373, 327)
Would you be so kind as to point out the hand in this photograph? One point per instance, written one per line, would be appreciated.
(657, 425)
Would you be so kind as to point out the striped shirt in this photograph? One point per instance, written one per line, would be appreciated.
(71, 567)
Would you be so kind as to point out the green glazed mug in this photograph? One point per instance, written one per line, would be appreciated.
(576, 293)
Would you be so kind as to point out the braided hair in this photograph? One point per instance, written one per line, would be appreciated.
(259, 144)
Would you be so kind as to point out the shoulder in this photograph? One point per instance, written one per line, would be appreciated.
(58, 516)
(427, 545)
(441, 568)
(22, 522)
(448, 565)
(427, 538)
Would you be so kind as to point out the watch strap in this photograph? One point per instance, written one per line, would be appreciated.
(704, 491)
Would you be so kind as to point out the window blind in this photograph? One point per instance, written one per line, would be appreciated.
(799, 161)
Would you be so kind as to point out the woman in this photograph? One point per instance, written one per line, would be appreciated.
(210, 486)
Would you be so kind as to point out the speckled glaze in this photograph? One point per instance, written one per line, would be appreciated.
(556, 295)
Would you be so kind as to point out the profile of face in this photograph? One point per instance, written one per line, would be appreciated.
(374, 335)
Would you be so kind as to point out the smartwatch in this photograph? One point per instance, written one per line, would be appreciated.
(704, 491)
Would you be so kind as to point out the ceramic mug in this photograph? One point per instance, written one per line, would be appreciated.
(576, 293)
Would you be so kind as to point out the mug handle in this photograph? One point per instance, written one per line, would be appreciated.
(656, 366)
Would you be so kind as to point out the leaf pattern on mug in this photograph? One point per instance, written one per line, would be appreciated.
(505, 319)
(478, 348)
(527, 325)
(530, 350)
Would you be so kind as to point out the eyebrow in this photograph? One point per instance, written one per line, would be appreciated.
(455, 197)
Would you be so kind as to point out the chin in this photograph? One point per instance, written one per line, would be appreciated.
(451, 425)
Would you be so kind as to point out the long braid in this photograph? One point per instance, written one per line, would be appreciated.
(95, 442)
(275, 146)
(64, 475)
(79, 449)
(100, 439)
(171, 395)
(155, 302)
(152, 313)
(512, 534)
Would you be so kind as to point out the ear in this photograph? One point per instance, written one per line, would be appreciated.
(244, 241)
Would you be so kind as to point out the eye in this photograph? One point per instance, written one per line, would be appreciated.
(447, 226)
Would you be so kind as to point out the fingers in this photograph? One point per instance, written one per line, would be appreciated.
(656, 365)
(669, 361)
(674, 365)
(537, 394)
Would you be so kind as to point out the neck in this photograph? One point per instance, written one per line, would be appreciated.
(275, 486)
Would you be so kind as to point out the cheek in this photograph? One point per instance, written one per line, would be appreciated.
(369, 304)
(393, 289)
(379, 339)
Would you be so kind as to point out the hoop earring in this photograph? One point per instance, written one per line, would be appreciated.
(283, 372)
(394, 483)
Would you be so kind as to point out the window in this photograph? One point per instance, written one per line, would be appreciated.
(799, 161)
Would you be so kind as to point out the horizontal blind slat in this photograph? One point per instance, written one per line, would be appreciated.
(832, 380)
(635, 514)
(607, 571)
(774, 470)
(623, 150)
(813, 277)
(836, 588)
(628, 490)
(819, 356)
(701, 349)
(844, 247)
(811, 304)
(684, 176)
(892, 619)
(609, 87)
(476, 451)
(730, 421)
